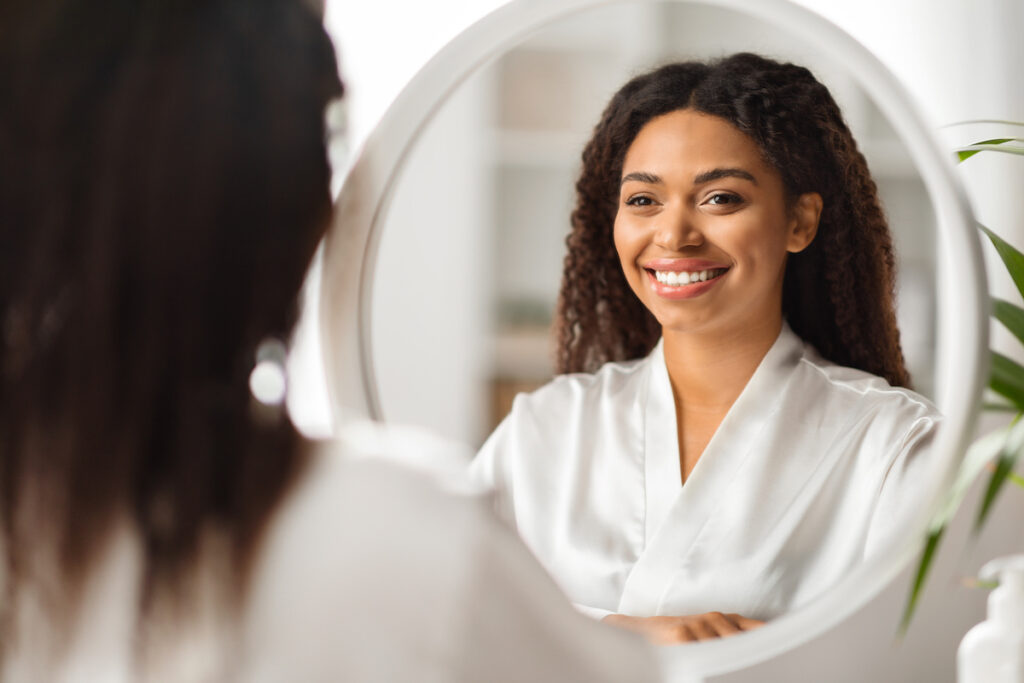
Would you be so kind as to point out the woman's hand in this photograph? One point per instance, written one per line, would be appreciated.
(671, 630)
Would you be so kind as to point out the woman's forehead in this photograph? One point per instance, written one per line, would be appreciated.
(690, 144)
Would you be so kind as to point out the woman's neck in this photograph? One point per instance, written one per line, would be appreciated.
(709, 370)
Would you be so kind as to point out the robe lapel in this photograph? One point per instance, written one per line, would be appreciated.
(661, 473)
(676, 514)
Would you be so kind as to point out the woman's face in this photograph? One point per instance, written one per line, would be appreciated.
(703, 227)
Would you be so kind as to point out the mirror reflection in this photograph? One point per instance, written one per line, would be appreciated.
(783, 469)
(472, 244)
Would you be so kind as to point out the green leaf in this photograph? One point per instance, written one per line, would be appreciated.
(999, 141)
(1007, 379)
(930, 547)
(1017, 479)
(977, 457)
(995, 484)
(1012, 259)
(994, 145)
(1010, 315)
(998, 407)
(1008, 455)
(980, 453)
(1001, 122)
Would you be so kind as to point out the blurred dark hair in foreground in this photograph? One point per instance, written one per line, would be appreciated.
(163, 185)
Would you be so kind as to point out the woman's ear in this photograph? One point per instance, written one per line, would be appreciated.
(804, 224)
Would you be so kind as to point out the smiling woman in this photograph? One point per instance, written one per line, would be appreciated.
(458, 207)
(702, 241)
(732, 432)
(711, 194)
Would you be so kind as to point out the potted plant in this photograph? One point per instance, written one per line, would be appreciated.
(1004, 446)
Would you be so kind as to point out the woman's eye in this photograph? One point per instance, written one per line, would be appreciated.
(723, 198)
(639, 200)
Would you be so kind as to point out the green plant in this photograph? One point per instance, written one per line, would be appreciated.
(1004, 445)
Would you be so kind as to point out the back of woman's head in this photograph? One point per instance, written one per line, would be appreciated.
(163, 185)
(837, 294)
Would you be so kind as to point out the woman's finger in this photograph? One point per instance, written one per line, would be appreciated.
(745, 623)
(723, 624)
(686, 632)
(702, 628)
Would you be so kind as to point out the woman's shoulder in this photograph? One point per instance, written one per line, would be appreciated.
(857, 392)
(386, 471)
(387, 564)
(552, 420)
(579, 389)
(377, 534)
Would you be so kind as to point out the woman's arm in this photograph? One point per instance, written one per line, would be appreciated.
(900, 494)
(672, 630)
(522, 628)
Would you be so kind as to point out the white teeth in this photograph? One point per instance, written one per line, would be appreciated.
(679, 278)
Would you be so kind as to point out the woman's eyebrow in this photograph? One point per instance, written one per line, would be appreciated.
(701, 178)
(715, 174)
(642, 177)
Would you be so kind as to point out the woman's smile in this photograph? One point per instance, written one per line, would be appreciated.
(704, 226)
(683, 278)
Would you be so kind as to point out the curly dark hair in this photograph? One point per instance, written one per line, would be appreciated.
(838, 293)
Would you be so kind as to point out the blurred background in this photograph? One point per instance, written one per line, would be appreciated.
(470, 260)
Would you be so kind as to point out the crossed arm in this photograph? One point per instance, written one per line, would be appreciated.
(671, 630)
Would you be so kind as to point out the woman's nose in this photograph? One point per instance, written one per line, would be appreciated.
(677, 230)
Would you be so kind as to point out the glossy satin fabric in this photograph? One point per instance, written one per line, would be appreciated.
(812, 468)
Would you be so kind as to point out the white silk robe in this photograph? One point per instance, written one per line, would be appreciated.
(810, 471)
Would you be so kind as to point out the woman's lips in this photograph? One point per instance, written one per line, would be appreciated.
(683, 278)
(679, 264)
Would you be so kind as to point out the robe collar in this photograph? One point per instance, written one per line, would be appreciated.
(731, 443)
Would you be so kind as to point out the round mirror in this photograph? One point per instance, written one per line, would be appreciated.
(441, 273)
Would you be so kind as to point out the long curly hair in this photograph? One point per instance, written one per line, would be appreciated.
(838, 294)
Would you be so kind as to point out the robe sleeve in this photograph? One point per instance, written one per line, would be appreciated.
(494, 464)
(522, 607)
(491, 470)
(900, 496)
(592, 612)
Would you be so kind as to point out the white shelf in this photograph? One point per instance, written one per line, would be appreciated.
(526, 353)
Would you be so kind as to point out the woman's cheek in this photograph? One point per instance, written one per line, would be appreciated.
(623, 246)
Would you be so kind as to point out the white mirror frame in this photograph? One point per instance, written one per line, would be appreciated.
(962, 328)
